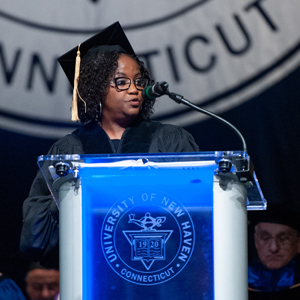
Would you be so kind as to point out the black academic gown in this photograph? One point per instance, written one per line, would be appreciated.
(39, 236)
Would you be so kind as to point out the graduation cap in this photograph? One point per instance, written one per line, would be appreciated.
(276, 213)
(109, 39)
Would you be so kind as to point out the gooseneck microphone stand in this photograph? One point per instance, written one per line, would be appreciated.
(224, 163)
(180, 99)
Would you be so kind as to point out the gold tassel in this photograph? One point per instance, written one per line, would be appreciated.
(76, 79)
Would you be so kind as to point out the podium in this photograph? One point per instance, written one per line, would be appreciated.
(153, 226)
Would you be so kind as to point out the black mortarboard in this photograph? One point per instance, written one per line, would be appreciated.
(112, 35)
(276, 213)
(109, 39)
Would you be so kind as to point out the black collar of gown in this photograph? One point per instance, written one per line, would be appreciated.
(135, 139)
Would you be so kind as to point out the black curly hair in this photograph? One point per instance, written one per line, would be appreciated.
(93, 83)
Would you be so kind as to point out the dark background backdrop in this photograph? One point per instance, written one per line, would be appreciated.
(269, 122)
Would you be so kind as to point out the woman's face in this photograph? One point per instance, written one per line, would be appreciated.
(123, 105)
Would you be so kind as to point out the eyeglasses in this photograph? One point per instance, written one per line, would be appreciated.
(123, 83)
(283, 240)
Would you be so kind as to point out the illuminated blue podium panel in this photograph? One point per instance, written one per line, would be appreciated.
(144, 226)
(147, 232)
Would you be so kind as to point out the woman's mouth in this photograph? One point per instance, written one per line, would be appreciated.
(135, 101)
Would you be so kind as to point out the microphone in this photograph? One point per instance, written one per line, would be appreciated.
(156, 90)
(180, 99)
(224, 164)
(162, 88)
(244, 167)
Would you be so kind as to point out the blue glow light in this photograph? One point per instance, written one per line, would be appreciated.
(147, 232)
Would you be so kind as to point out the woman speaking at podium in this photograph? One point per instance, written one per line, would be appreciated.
(108, 79)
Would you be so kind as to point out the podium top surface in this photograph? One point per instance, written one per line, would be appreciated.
(157, 157)
(58, 168)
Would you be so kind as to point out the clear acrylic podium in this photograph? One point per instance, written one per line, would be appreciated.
(153, 226)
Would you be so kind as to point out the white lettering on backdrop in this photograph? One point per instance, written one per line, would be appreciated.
(218, 54)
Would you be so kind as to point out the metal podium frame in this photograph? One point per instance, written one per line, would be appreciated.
(235, 189)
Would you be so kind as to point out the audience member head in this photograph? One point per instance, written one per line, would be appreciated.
(276, 236)
(42, 283)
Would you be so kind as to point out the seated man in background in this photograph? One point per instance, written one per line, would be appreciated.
(42, 283)
(277, 241)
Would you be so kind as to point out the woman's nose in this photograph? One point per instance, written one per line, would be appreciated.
(132, 89)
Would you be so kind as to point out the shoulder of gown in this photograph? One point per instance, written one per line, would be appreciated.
(171, 138)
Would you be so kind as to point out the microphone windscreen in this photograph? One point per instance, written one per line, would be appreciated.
(153, 91)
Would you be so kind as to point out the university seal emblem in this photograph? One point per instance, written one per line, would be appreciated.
(147, 238)
(218, 54)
